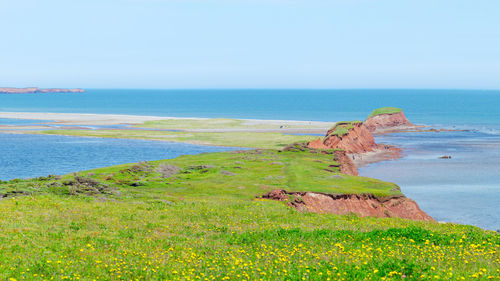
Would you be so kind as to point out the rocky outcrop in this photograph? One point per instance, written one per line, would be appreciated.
(363, 205)
(356, 137)
(35, 90)
(386, 123)
(352, 137)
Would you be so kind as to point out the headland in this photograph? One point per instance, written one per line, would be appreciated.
(344, 141)
(287, 212)
(36, 90)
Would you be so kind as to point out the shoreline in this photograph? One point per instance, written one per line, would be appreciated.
(117, 119)
(382, 153)
(378, 155)
(86, 121)
(79, 121)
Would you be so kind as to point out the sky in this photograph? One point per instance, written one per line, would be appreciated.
(453, 44)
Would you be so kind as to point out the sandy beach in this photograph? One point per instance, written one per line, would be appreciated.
(82, 119)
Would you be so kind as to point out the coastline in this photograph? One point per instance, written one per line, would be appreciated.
(78, 122)
(36, 90)
(119, 119)
(382, 154)
(248, 133)
(72, 120)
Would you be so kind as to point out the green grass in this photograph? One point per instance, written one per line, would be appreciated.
(385, 110)
(251, 173)
(221, 123)
(204, 223)
(342, 128)
(183, 124)
(266, 140)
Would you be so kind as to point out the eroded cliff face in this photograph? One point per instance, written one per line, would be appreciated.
(363, 205)
(346, 165)
(388, 122)
(357, 139)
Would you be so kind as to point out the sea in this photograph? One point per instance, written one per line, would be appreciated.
(464, 189)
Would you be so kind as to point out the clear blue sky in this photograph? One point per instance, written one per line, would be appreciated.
(250, 43)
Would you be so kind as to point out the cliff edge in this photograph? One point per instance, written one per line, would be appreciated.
(388, 120)
(355, 139)
(351, 136)
(363, 205)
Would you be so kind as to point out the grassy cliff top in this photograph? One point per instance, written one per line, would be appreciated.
(219, 175)
(196, 217)
(342, 128)
(385, 110)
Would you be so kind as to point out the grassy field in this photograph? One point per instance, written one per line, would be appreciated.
(268, 140)
(385, 110)
(225, 123)
(198, 218)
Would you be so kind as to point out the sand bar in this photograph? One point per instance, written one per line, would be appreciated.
(83, 119)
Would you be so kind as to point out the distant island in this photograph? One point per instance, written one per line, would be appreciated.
(34, 90)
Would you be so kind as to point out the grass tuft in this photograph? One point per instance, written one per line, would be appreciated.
(385, 110)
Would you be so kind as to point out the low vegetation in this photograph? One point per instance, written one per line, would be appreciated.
(198, 218)
(342, 128)
(226, 123)
(235, 174)
(385, 110)
(268, 140)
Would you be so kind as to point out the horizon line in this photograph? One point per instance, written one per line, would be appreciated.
(298, 88)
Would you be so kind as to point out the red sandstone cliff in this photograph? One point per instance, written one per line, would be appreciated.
(346, 166)
(384, 123)
(364, 204)
(357, 139)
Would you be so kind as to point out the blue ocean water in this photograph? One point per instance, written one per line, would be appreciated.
(447, 107)
(464, 189)
(26, 156)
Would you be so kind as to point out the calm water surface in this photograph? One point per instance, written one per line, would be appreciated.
(448, 107)
(25, 156)
(464, 189)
